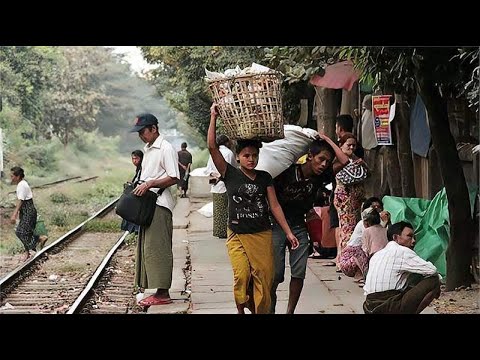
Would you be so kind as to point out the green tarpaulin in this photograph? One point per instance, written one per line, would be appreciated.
(431, 222)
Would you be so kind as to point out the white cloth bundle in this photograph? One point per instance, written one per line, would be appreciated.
(278, 155)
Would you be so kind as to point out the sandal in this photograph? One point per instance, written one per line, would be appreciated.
(152, 300)
(330, 263)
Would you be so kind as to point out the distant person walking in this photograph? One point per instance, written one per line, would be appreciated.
(154, 257)
(137, 157)
(218, 189)
(184, 165)
(26, 211)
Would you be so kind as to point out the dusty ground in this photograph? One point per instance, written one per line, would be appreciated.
(464, 301)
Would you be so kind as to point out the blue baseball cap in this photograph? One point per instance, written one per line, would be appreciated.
(144, 120)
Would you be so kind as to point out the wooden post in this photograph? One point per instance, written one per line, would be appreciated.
(325, 104)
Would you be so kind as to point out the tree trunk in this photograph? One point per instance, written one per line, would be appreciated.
(349, 101)
(391, 172)
(326, 112)
(303, 118)
(401, 125)
(459, 252)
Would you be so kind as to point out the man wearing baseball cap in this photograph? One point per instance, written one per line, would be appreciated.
(154, 257)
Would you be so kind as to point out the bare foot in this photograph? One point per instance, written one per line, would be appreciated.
(25, 257)
(41, 241)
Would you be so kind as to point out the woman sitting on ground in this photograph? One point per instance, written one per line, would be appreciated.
(355, 256)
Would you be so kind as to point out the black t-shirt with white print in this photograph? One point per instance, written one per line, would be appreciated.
(248, 210)
(296, 194)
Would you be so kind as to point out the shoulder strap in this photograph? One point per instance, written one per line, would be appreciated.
(138, 172)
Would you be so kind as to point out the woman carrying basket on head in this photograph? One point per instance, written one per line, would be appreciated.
(249, 235)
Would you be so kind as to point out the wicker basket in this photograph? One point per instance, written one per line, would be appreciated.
(250, 106)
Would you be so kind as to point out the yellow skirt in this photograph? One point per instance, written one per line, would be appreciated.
(251, 256)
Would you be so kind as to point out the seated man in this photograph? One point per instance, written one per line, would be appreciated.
(391, 287)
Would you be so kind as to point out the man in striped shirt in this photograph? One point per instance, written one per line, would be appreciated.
(398, 280)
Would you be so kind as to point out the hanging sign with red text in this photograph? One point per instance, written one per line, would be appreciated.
(381, 119)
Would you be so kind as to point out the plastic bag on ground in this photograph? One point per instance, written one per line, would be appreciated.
(206, 210)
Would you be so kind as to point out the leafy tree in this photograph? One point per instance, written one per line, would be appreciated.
(75, 98)
(436, 74)
(25, 73)
(180, 76)
(300, 63)
(469, 57)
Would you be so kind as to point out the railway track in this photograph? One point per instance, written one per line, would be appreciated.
(63, 277)
(9, 262)
(53, 183)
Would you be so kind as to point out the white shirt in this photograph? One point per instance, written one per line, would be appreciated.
(160, 160)
(389, 268)
(356, 237)
(23, 191)
(369, 138)
(229, 156)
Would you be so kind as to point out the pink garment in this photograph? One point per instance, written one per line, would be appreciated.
(348, 201)
(353, 260)
(341, 75)
(374, 239)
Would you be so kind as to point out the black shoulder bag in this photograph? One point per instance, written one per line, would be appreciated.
(137, 209)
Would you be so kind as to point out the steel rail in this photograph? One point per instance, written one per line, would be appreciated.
(14, 274)
(79, 302)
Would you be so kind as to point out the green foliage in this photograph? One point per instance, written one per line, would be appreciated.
(11, 248)
(93, 144)
(131, 239)
(180, 76)
(59, 198)
(200, 158)
(456, 70)
(470, 57)
(299, 63)
(103, 225)
(40, 157)
(59, 218)
(75, 96)
(102, 193)
(26, 72)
